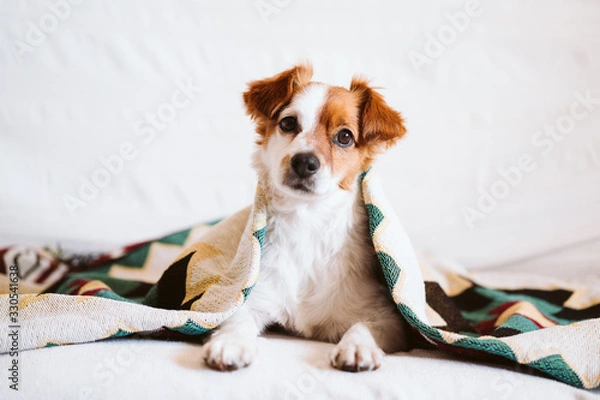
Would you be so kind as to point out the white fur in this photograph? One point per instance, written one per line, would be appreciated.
(306, 107)
(318, 274)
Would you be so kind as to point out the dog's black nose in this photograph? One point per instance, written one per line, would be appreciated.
(305, 164)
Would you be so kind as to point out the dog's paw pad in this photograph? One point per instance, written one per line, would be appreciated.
(227, 354)
(356, 357)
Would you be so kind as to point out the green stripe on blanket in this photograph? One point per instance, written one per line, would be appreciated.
(214, 268)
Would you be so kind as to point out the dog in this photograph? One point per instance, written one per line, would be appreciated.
(320, 277)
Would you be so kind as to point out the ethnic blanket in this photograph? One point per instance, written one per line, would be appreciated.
(188, 283)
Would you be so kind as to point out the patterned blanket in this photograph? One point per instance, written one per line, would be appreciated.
(55, 299)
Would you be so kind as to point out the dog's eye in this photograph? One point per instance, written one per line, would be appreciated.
(344, 138)
(288, 124)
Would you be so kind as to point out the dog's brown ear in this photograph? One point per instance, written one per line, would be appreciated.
(265, 97)
(380, 125)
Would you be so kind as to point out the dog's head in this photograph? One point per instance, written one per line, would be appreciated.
(314, 138)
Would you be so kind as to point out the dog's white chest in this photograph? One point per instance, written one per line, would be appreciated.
(301, 251)
(310, 271)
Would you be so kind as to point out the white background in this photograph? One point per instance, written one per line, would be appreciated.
(73, 95)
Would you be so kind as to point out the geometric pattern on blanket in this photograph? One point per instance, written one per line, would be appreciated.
(117, 294)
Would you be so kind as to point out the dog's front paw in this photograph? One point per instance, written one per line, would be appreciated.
(228, 353)
(356, 357)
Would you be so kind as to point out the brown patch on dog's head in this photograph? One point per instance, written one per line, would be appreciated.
(340, 111)
(380, 125)
(374, 125)
(265, 98)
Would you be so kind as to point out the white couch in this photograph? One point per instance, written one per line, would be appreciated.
(122, 121)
